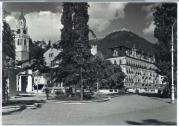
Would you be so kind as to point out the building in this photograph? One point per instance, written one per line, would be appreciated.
(50, 56)
(24, 77)
(135, 55)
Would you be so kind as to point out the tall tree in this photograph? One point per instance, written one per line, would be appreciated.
(75, 53)
(8, 55)
(164, 18)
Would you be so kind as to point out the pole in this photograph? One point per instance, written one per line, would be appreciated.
(81, 92)
(172, 86)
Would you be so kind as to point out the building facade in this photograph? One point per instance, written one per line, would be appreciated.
(139, 68)
(50, 56)
(136, 57)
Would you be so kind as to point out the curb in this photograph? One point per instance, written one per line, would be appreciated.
(101, 100)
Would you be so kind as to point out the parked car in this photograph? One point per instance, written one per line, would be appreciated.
(131, 90)
(58, 90)
(108, 91)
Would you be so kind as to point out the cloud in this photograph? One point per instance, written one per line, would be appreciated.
(149, 32)
(102, 13)
(149, 29)
(12, 21)
(43, 25)
(29, 7)
(150, 9)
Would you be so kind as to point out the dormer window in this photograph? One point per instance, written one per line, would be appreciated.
(115, 53)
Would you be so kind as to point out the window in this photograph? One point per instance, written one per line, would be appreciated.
(50, 54)
(115, 62)
(24, 41)
(115, 53)
(119, 61)
(18, 42)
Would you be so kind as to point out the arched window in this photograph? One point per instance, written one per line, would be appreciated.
(24, 41)
(18, 42)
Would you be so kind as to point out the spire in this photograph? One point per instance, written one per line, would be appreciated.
(22, 15)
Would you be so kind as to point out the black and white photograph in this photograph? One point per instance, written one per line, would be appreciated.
(89, 63)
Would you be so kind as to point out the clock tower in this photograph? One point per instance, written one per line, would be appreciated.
(24, 78)
(22, 41)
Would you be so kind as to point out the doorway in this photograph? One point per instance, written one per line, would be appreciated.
(24, 83)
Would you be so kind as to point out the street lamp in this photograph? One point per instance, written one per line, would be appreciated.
(172, 87)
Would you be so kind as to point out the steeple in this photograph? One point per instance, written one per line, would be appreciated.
(22, 21)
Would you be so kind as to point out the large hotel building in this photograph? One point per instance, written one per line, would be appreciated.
(135, 55)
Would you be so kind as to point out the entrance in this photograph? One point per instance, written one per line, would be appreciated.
(24, 83)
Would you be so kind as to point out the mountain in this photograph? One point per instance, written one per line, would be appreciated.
(127, 39)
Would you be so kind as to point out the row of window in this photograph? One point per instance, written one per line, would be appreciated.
(21, 42)
(139, 64)
(51, 54)
(140, 72)
(120, 62)
(140, 79)
(142, 85)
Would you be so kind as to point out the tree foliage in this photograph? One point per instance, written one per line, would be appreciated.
(107, 74)
(8, 41)
(164, 17)
(74, 43)
(36, 57)
(8, 56)
(76, 58)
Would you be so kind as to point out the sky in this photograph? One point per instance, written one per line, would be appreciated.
(44, 19)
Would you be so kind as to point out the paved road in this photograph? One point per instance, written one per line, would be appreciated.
(132, 109)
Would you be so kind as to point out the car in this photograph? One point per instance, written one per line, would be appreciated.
(58, 90)
(131, 90)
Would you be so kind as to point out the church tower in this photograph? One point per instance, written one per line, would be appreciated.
(22, 40)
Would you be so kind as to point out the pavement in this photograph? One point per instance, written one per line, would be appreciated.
(122, 110)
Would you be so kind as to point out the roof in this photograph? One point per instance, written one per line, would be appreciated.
(127, 39)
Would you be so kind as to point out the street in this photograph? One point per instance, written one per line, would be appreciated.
(130, 109)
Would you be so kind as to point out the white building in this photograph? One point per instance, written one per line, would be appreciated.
(50, 56)
(135, 55)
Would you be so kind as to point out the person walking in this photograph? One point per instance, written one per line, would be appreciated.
(46, 89)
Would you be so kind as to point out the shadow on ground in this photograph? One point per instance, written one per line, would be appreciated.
(20, 105)
(150, 122)
(22, 102)
(13, 111)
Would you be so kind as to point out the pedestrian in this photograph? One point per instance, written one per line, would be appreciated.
(46, 89)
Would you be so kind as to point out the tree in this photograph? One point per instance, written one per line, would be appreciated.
(105, 73)
(8, 41)
(78, 67)
(8, 57)
(164, 17)
(75, 55)
(36, 57)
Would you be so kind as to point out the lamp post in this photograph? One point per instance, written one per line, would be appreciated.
(172, 86)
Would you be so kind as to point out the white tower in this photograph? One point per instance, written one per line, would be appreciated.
(22, 40)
